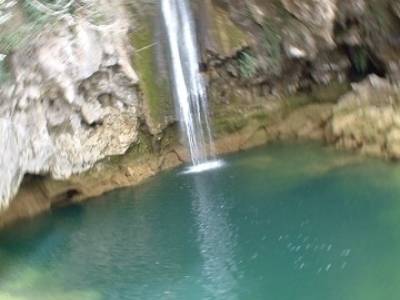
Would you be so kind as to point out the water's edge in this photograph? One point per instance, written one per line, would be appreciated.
(298, 215)
(41, 194)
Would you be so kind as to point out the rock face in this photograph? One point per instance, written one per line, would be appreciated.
(39, 194)
(287, 46)
(75, 112)
(367, 119)
(72, 101)
(319, 14)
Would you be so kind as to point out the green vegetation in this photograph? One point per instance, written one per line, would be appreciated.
(155, 88)
(360, 59)
(318, 95)
(21, 21)
(138, 150)
(230, 124)
(24, 19)
(247, 64)
(261, 116)
(4, 72)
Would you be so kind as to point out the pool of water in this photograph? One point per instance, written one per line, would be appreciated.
(282, 222)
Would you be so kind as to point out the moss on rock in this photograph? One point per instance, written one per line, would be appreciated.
(156, 92)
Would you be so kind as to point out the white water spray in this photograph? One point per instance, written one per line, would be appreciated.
(189, 85)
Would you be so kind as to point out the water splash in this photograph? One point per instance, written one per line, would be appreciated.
(188, 83)
(207, 166)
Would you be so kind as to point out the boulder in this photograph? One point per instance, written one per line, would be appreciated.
(74, 106)
(368, 119)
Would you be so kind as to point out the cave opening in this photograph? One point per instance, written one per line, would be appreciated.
(65, 198)
(363, 63)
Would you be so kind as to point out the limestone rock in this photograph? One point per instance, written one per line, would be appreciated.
(76, 104)
(393, 142)
(305, 123)
(368, 119)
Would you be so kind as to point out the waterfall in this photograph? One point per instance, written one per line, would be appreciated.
(188, 83)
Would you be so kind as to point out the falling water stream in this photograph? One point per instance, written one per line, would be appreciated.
(188, 83)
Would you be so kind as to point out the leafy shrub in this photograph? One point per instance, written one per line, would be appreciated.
(247, 64)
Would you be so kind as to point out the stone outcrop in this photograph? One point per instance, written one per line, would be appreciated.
(367, 119)
(72, 101)
(40, 194)
(286, 46)
(77, 121)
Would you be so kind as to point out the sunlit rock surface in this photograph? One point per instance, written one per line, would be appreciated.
(275, 70)
(71, 102)
(368, 119)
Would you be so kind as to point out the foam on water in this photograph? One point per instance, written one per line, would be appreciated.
(204, 167)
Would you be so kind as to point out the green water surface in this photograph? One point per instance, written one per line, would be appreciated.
(284, 222)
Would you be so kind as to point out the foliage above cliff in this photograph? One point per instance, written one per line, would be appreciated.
(24, 22)
(20, 21)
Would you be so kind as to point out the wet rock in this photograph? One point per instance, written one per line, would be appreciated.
(170, 161)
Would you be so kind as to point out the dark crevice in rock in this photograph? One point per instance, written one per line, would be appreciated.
(32, 178)
(64, 198)
(363, 63)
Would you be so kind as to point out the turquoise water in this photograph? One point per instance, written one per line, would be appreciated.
(283, 222)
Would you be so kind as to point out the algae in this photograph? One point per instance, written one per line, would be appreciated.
(155, 89)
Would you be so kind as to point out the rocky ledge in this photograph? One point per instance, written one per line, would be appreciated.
(80, 122)
(71, 101)
(367, 119)
(364, 119)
